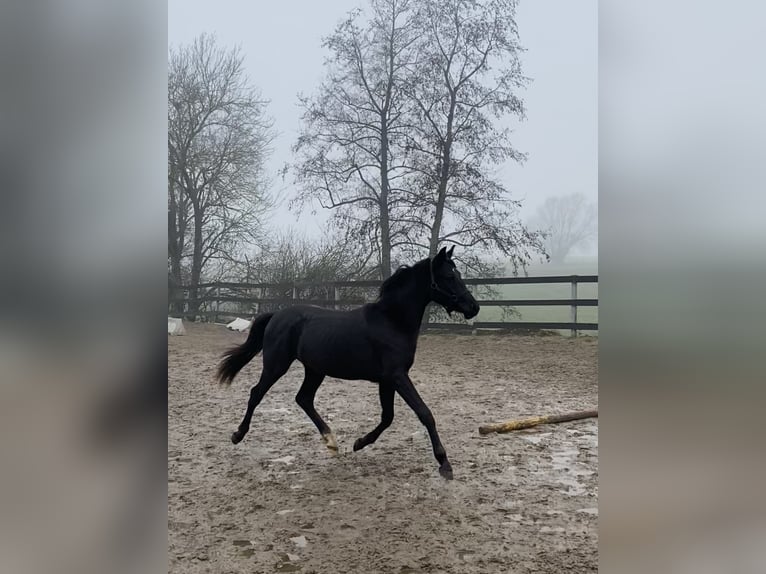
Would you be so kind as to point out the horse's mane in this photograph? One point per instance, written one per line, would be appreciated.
(397, 279)
(394, 281)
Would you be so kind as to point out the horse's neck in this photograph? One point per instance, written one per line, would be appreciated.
(408, 307)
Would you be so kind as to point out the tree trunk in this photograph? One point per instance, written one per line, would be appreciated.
(433, 245)
(441, 190)
(175, 250)
(444, 174)
(385, 239)
(385, 223)
(196, 267)
(175, 291)
(385, 230)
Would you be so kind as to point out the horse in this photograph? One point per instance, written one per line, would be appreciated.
(375, 342)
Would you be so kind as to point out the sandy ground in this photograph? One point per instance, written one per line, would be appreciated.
(280, 502)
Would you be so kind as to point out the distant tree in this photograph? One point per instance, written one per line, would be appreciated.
(289, 258)
(218, 140)
(402, 137)
(348, 154)
(569, 221)
(466, 79)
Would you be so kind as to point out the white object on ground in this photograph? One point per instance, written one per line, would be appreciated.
(239, 325)
(176, 326)
(285, 459)
(300, 541)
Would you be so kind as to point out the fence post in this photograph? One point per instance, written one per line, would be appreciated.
(573, 313)
(295, 292)
(336, 296)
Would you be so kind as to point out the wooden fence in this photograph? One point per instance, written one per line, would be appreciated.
(221, 300)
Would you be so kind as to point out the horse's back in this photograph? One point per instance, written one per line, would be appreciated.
(335, 343)
(302, 314)
(300, 324)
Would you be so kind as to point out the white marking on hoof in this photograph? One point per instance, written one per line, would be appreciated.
(330, 442)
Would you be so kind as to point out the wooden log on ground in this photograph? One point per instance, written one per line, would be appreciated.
(534, 421)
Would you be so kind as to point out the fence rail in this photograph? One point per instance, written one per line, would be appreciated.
(226, 299)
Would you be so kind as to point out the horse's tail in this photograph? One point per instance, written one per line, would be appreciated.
(237, 357)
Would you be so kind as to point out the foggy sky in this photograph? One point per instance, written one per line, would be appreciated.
(281, 43)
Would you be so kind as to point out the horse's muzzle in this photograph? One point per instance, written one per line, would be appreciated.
(472, 312)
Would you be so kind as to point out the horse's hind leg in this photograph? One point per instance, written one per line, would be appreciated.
(305, 398)
(387, 417)
(267, 380)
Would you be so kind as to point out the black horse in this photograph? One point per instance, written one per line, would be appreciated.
(375, 342)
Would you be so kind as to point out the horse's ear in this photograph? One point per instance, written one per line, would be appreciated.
(449, 253)
(441, 255)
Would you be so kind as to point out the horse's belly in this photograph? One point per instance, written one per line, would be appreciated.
(346, 356)
(342, 365)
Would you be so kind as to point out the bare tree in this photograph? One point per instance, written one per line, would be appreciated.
(348, 154)
(178, 221)
(289, 258)
(218, 139)
(403, 136)
(569, 221)
(464, 82)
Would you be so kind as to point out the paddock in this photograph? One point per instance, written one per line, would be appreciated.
(281, 502)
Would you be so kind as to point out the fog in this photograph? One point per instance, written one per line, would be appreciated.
(281, 44)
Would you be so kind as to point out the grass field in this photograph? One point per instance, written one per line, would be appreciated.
(580, 266)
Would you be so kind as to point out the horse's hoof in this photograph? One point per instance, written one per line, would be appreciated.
(358, 444)
(446, 471)
(237, 436)
(330, 443)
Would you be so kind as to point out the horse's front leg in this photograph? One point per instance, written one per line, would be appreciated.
(403, 385)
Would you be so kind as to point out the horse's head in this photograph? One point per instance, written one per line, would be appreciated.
(447, 287)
